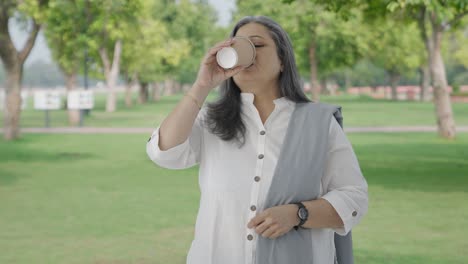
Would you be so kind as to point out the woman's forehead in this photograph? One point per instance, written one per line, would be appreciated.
(253, 31)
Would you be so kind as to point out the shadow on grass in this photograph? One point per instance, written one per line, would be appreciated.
(416, 166)
(33, 155)
(20, 151)
(7, 177)
(379, 257)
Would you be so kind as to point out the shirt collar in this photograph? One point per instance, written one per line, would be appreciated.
(248, 98)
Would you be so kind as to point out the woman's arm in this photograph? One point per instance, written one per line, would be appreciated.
(345, 188)
(176, 143)
(276, 221)
(177, 126)
(341, 207)
(321, 215)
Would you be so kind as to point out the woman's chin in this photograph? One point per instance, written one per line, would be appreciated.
(244, 76)
(247, 71)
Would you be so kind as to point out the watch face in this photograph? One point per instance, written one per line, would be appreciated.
(303, 213)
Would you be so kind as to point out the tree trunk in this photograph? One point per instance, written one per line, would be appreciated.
(169, 86)
(425, 69)
(347, 75)
(144, 93)
(130, 83)
(11, 116)
(177, 87)
(112, 73)
(128, 94)
(424, 82)
(443, 105)
(73, 114)
(394, 80)
(324, 86)
(13, 61)
(156, 92)
(111, 101)
(314, 83)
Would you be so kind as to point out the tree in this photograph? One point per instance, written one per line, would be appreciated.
(323, 42)
(434, 18)
(456, 46)
(151, 50)
(109, 23)
(194, 22)
(396, 48)
(455, 54)
(64, 31)
(32, 12)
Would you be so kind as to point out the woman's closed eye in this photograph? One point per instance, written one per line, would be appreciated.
(259, 45)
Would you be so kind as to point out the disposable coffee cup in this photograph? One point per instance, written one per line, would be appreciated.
(240, 53)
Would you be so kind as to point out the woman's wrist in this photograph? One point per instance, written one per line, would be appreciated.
(200, 89)
(198, 93)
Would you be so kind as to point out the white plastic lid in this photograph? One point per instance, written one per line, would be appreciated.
(227, 57)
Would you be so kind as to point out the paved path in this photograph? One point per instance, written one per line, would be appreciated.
(144, 130)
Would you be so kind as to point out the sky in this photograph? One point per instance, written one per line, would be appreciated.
(42, 52)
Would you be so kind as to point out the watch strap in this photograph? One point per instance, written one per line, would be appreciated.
(302, 221)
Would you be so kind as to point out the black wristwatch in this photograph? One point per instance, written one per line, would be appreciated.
(302, 213)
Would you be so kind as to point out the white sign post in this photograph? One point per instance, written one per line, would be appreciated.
(80, 100)
(24, 99)
(47, 100)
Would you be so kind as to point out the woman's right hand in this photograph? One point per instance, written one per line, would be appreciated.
(210, 73)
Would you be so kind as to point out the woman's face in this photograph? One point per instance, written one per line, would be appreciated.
(265, 70)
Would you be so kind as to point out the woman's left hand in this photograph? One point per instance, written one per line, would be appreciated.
(275, 221)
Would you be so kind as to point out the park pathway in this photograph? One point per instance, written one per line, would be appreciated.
(145, 130)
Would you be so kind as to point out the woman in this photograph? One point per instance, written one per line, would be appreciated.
(245, 215)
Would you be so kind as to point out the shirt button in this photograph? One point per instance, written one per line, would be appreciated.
(257, 178)
(249, 237)
(253, 208)
(354, 213)
(262, 132)
(261, 156)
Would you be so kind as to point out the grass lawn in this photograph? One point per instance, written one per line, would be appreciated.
(358, 111)
(98, 199)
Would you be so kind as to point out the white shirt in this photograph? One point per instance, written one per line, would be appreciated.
(228, 188)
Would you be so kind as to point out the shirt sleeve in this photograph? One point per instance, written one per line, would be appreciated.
(344, 185)
(182, 156)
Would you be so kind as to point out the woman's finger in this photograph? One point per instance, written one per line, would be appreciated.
(262, 227)
(219, 46)
(234, 71)
(231, 72)
(270, 231)
(277, 234)
(210, 56)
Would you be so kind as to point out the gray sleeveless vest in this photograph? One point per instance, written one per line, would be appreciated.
(297, 177)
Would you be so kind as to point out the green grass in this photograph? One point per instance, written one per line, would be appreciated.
(98, 199)
(365, 111)
(357, 111)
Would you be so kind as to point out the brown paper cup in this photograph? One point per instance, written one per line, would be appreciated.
(240, 53)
